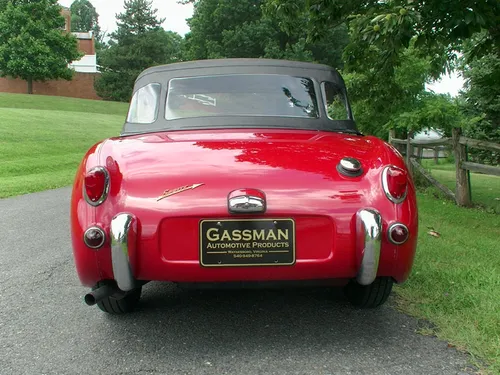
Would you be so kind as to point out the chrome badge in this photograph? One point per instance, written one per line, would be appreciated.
(169, 192)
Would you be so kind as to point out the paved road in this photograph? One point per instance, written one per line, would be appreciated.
(45, 328)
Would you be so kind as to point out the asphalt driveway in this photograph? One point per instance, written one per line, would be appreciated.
(45, 327)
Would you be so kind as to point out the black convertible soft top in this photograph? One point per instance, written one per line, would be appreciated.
(318, 73)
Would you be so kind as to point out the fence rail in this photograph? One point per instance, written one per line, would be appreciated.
(458, 143)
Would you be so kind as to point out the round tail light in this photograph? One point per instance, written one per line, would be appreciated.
(96, 186)
(398, 233)
(395, 183)
(94, 237)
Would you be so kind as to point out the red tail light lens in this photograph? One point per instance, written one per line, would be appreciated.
(96, 186)
(395, 183)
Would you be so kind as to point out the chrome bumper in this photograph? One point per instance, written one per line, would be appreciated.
(368, 244)
(123, 238)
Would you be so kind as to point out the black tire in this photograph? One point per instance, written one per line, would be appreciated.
(369, 296)
(121, 304)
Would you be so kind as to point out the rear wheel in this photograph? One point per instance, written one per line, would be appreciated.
(123, 304)
(369, 296)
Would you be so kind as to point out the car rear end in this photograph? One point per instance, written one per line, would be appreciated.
(314, 215)
(242, 170)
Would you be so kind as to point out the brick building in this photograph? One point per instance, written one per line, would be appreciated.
(82, 85)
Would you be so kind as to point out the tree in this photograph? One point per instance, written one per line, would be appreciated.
(138, 18)
(395, 47)
(239, 28)
(84, 17)
(138, 43)
(481, 98)
(33, 45)
(378, 99)
(437, 27)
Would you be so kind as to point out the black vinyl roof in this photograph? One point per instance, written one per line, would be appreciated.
(162, 74)
(210, 63)
(228, 66)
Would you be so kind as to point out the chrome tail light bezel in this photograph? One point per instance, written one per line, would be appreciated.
(385, 186)
(105, 192)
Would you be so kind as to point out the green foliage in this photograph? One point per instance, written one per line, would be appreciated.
(481, 100)
(139, 43)
(239, 28)
(438, 27)
(395, 47)
(84, 17)
(33, 45)
(433, 111)
(139, 17)
(378, 99)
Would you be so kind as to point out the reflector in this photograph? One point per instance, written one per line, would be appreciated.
(398, 233)
(94, 237)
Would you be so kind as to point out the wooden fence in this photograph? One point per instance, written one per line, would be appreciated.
(459, 144)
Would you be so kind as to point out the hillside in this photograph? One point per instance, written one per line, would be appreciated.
(43, 138)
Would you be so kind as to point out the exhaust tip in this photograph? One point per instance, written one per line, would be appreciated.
(102, 292)
(90, 299)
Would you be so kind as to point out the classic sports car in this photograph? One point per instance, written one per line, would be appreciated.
(241, 170)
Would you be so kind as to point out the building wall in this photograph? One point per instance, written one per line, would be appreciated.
(82, 86)
(86, 45)
(66, 13)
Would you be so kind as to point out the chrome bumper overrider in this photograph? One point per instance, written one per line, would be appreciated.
(368, 244)
(123, 236)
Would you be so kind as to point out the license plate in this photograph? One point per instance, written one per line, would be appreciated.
(247, 242)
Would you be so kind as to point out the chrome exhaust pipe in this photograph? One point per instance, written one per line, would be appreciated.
(99, 294)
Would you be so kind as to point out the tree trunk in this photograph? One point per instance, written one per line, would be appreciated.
(30, 85)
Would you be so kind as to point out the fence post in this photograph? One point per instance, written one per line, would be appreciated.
(420, 154)
(409, 152)
(462, 192)
(436, 155)
(392, 135)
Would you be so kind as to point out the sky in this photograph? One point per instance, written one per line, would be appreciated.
(175, 20)
(175, 14)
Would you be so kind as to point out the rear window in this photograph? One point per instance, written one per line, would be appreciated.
(144, 104)
(241, 95)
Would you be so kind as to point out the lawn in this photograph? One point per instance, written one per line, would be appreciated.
(58, 103)
(43, 138)
(485, 188)
(455, 283)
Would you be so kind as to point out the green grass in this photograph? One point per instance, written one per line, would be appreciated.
(42, 145)
(485, 188)
(455, 282)
(58, 103)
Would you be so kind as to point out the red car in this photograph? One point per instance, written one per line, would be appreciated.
(241, 170)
